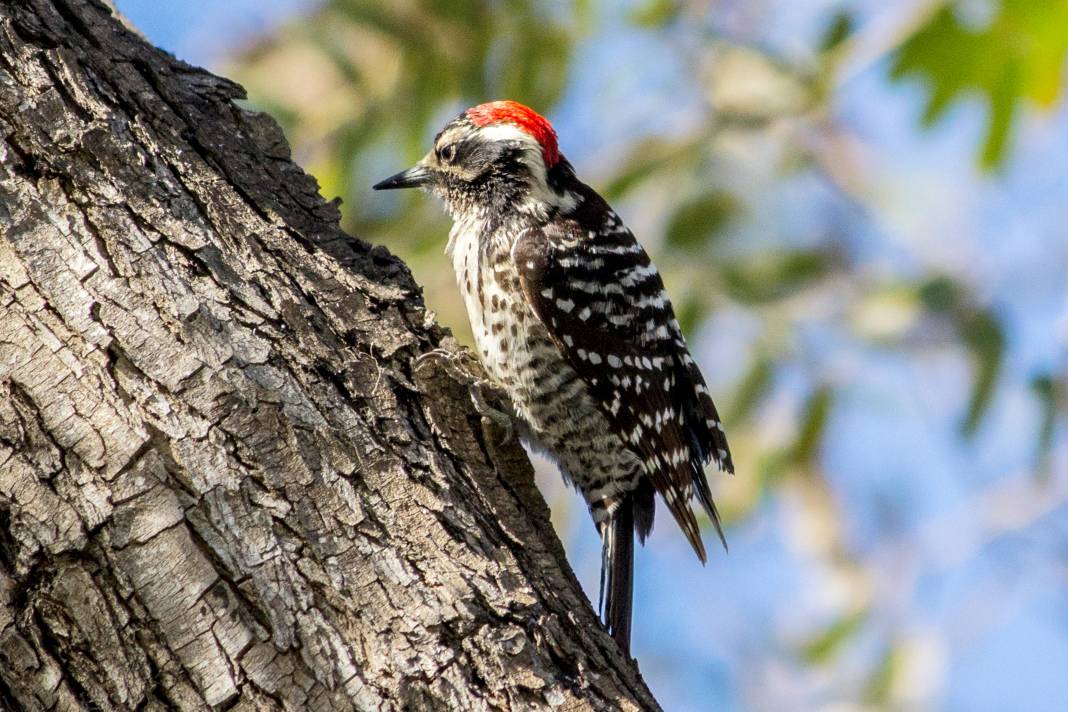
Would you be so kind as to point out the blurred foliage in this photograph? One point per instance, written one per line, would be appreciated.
(979, 330)
(814, 418)
(750, 390)
(699, 220)
(655, 13)
(361, 86)
(840, 28)
(1053, 396)
(1014, 51)
(877, 690)
(776, 276)
(822, 649)
(356, 78)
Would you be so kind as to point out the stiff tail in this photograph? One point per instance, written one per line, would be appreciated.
(617, 571)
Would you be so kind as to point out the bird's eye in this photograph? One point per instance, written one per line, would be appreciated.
(447, 153)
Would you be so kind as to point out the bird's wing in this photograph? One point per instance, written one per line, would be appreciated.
(603, 302)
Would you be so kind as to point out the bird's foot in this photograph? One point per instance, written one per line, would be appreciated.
(484, 393)
(501, 418)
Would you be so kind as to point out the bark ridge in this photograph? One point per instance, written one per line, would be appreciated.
(222, 483)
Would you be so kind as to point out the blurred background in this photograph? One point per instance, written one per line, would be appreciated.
(860, 212)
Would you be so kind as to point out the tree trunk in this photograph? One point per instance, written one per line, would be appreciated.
(223, 483)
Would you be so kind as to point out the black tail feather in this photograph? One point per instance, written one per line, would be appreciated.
(644, 508)
(617, 572)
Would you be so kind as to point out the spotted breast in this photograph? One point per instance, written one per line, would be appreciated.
(557, 412)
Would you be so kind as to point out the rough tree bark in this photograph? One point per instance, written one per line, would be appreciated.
(223, 484)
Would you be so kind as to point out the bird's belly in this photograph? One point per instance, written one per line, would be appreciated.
(550, 397)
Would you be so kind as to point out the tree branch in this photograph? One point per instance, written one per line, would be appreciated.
(221, 481)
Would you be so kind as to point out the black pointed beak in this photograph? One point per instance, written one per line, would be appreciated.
(411, 178)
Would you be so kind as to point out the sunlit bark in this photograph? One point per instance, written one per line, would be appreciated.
(222, 482)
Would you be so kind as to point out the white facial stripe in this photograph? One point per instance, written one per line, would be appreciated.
(531, 155)
(510, 132)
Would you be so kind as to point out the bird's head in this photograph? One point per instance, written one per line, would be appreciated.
(496, 156)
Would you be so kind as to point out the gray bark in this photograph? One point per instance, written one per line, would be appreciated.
(223, 484)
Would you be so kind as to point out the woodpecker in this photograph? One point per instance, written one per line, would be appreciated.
(571, 321)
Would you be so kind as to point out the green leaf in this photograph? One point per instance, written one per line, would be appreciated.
(813, 425)
(942, 294)
(700, 219)
(647, 158)
(841, 27)
(777, 275)
(1019, 55)
(821, 649)
(655, 13)
(773, 466)
(691, 311)
(1045, 389)
(984, 338)
(879, 685)
(980, 332)
(752, 389)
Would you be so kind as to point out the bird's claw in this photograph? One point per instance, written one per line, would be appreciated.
(449, 358)
(502, 419)
(455, 364)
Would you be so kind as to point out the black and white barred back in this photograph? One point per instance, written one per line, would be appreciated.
(571, 319)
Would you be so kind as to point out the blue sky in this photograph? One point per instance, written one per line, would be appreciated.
(986, 614)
